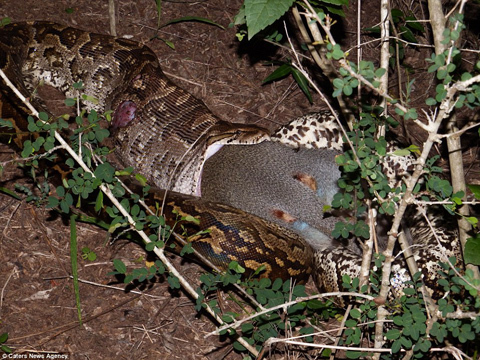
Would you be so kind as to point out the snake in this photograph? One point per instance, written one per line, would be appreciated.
(161, 130)
(167, 134)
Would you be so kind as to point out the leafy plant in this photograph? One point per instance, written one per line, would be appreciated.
(287, 69)
(4, 348)
(88, 254)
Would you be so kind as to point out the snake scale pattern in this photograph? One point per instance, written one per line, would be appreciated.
(167, 135)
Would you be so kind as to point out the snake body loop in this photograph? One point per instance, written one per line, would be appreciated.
(160, 129)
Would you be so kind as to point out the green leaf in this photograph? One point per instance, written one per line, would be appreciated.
(236, 267)
(78, 85)
(355, 313)
(302, 83)
(119, 266)
(279, 73)
(239, 347)
(70, 102)
(191, 219)
(393, 334)
(193, 18)
(9, 192)
(6, 123)
(5, 21)
(126, 171)
(105, 172)
(52, 202)
(102, 134)
(261, 13)
(362, 229)
(401, 152)
(380, 72)
(27, 149)
(173, 282)
(407, 34)
(239, 18)
(475, 189)
(277, 284)
(3, 337)
(141, 179)
(351, 323)
(337, 53)
(411, 22)
(89, 98)
(43, 116)
(99, 201)
(354, 354)
(472, 220)
(472, 251)
(336, 2)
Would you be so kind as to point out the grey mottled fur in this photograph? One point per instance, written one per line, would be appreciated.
(261, 178)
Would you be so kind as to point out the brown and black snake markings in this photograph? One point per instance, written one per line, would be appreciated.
(168, 135)
(160, 129)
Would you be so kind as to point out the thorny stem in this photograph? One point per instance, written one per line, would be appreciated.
(433, 126)
(399, 215)
(106, 190)
(346, 66)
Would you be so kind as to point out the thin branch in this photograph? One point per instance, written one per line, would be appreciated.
(112, 17)
(41, 156)
(325, 64)
(88, 282)
(384, 54)
(324, 346)
(340, 330)
(238, 323)
(14, 271)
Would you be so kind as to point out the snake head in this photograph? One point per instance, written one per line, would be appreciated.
(224, 133)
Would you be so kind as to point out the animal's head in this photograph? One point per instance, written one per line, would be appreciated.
(225, 133)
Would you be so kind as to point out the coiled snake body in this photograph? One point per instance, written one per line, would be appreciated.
(167, 135)
(160, 129)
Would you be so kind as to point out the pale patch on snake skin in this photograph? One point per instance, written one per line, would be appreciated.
(313, 131)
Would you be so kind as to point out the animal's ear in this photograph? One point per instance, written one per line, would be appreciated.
(307, 180)
(283, 216)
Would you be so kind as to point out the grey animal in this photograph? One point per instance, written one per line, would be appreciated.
(279, 183)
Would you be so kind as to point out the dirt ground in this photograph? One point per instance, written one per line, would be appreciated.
(37, 303)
